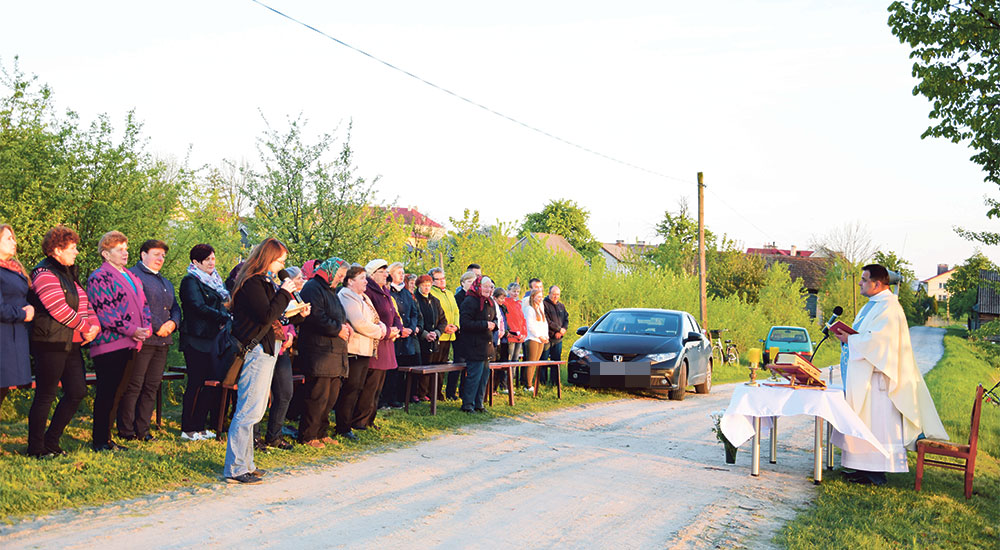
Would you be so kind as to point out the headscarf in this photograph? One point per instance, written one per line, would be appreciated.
(309, 269)
(331, 265)
(476, 290)
(212, 280)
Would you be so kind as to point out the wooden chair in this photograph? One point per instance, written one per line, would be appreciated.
(966, 453)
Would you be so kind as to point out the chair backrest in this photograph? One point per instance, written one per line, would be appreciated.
(977, 408)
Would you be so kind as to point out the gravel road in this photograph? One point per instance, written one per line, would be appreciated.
(634, 473)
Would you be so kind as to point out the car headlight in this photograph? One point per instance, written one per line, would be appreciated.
(580, 352)
(655, 358)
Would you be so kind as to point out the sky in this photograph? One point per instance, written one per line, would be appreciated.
(800, 114)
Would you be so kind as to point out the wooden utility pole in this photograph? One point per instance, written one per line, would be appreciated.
(702, 286)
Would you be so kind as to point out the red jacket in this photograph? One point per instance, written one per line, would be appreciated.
(515, 321)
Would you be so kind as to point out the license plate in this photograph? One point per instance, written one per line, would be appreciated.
(614, 368)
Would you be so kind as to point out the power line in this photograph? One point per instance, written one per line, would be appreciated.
(502, 115)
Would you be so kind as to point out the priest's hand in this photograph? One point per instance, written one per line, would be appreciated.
(842, 336)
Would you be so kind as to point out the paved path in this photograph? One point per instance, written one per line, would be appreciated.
(635, 473)
(928, 346)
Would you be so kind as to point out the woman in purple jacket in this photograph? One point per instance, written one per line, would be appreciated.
(384, 359)
(118, 298)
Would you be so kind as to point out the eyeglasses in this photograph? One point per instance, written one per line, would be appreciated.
(438, 278)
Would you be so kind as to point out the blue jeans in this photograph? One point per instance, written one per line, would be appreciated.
(251, 402)
(474, 385)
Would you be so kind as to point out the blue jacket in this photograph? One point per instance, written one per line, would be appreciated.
(15, 366)
(409, 313)
(162, 303)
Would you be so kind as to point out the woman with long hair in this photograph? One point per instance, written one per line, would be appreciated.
(258, 304)
(538, 332)
(15, 314)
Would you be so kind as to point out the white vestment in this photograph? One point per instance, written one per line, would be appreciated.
(886, 389)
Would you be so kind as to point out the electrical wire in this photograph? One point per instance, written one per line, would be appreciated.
(502, 115)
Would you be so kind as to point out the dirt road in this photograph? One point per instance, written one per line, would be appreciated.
(635, 473)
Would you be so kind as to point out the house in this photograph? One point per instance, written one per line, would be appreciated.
(935, 285)
(424, 228)
(812, 271)
(772, 250)
(555, 243)
(987, 306)
(620, 256)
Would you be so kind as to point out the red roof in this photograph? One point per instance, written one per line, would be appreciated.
(410, 215)
(779, 252)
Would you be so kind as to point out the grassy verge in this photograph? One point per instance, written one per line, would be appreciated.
(846, 515)
(29, 486)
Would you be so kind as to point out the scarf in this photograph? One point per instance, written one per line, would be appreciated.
(213, 280)
(15, 266)
(477, 291)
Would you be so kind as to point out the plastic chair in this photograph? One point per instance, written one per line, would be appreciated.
(966, 453)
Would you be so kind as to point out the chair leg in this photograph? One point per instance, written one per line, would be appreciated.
(968, 479)
(222, 413)
(920, 468)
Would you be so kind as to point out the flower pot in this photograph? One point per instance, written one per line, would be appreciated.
(730, 453)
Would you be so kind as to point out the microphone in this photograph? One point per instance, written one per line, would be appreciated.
(837, 311)
(284, 276)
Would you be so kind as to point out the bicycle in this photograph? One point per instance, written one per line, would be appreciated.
(732, 353)
(715, 336)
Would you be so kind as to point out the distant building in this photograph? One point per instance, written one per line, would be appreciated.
(424, 228)
(987, 306)
(622, 257)
(812, 270)
(555, 243)
(935, 285)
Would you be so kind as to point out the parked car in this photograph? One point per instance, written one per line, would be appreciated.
(788, 339)
(653, 349)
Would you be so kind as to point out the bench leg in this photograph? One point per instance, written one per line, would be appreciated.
(489, 387)
(159, 406)
(558, 382)
(406, 400)
(510, 386)
(434, 396)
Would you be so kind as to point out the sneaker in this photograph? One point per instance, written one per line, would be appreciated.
(244, 478)
(396, 405)
(208, 434)
(415, 399)
(191, 436)
(280, 443)
(350, 436)
(425, 398)
(529, 389)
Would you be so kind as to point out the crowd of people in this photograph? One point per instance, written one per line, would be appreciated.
(345, 327)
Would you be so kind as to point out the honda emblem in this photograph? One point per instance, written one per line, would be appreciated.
(617, 358)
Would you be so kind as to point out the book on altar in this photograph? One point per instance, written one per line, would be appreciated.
(841, 327)
(797, 369)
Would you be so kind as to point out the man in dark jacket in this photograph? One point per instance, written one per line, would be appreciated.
(322, 351)
(558, 319)
(139, 397)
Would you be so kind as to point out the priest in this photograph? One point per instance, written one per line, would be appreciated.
(883, 385)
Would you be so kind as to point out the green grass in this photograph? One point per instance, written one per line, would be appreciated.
(30, 486)
(846, 515)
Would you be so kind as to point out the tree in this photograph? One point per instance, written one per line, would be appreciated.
(907, 298)
(963, 286)
(317, 206)
(679, 250)
(956, 53)
(731, 272)
(564, 217)
(92, 179)
(852, 241)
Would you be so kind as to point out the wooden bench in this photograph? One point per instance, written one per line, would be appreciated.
(436, 370)
(510, 366)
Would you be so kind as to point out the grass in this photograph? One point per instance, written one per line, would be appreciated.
(846, 515)
(30, 486)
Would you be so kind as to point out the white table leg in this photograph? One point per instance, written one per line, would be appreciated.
(774, 440)
(755, 459)
(829, 446)
(818, 452)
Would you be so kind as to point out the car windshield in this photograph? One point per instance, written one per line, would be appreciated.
(789, 336)
(640, 322)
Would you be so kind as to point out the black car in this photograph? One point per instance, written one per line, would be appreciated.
(652, 349)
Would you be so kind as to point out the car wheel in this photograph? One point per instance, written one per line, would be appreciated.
(705, 386)
(682, 380)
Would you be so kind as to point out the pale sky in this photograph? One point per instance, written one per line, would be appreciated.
(800, 113)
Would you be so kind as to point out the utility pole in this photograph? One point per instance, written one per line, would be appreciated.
(702, 286)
